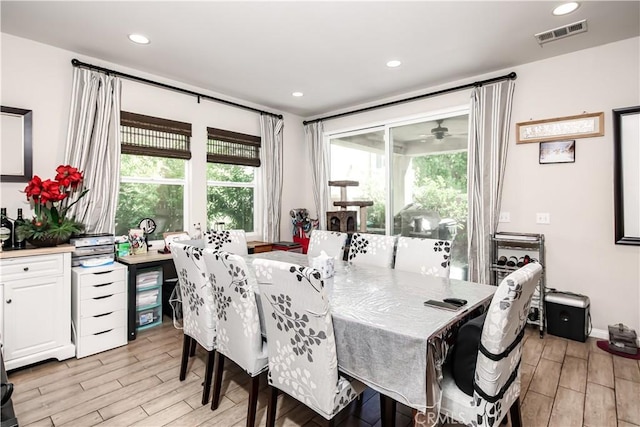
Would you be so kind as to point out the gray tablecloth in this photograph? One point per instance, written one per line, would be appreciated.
(385, 336)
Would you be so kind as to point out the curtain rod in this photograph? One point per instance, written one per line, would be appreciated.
(77, 63)
(510, 76)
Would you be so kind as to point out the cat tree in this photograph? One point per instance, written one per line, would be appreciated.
(345, 220)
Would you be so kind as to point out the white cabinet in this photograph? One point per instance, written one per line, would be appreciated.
(36, 306)
(99, 308)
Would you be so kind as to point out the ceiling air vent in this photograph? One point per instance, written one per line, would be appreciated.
(561, 32)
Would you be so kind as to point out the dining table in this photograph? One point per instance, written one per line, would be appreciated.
(385, 336)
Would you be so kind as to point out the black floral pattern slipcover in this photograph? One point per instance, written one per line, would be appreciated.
(198, 308)
(424, 256)
(505, 320)
(237, 323)
(372, 249)
(302, 351)
(233, 241)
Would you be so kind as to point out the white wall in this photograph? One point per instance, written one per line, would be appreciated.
(38, 77)
(580, 252)
(581, 255)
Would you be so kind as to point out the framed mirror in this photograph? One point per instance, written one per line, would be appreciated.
(16, 164)
(626, 143)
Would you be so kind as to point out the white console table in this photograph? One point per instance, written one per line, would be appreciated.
(35, 313)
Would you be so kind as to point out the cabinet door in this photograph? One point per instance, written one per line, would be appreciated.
(32, 315)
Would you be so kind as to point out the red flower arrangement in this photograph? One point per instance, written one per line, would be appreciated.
(51, 200)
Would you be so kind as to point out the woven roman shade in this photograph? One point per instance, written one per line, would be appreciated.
(232, 148)
(153, 136)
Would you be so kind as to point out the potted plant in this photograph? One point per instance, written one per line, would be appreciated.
(50, 201)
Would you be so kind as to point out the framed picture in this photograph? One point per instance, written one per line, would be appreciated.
(558, 152)
(16, 155)
(561, 128)
(626, 175)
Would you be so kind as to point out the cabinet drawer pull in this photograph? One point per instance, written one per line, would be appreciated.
(26, 269)
(104, 314)
(103, 272)
(103, 332)
(103, 297)
(104, 284)
(9, 301)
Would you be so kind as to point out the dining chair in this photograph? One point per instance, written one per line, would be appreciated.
(302, 350)
(234, 241)
(198, 309)
(425, 256)
(331, 242)
(496, 382)
(238, 333)
(372, 249)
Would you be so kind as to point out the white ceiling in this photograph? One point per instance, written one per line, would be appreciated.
(334, 52)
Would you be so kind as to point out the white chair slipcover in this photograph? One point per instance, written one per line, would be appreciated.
(331, 242)
(497, 377)
(234, 241)
(372, 249)
(238, 332)
(424, 256)
(198, 307)
(302, 350)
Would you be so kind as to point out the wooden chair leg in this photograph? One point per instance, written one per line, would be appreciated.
(515, 415)
(271, 408)
(186, 345)
(192, 350)
(387, 411)
(253, 401)
(211, 357)
(217, 381)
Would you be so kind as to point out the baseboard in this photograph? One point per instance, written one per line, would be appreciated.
(599, 333)
(604, 335)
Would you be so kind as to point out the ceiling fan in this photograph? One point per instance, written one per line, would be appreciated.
(440, 131)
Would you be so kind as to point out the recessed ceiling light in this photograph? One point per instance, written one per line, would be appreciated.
(297, 94)
(139, 38)
(393, 64)
(566, 8)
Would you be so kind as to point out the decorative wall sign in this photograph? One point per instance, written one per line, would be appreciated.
(558, 152)
(571, 127)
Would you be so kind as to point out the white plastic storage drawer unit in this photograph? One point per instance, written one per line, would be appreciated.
(99, 308)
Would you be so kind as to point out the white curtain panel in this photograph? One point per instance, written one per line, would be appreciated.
(271, 157)
(318, 156)
(490, 122)
(93, 146)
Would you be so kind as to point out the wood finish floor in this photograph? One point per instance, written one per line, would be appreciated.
(564, 383)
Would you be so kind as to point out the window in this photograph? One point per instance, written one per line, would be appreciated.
(232, 159)
(152, 173)
(420, 175)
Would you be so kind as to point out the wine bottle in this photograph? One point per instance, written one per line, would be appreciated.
(6, 230)
(17, 242)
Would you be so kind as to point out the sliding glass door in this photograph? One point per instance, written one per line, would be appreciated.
(420, 175)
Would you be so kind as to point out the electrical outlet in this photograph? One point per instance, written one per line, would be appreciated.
(505, 217)
(543, 218)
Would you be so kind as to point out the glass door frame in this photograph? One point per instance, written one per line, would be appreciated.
(386, 126)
